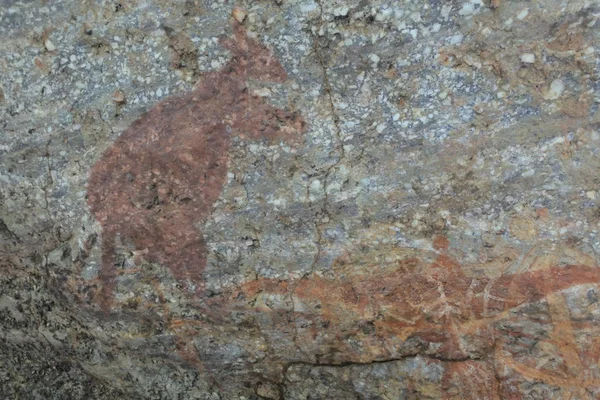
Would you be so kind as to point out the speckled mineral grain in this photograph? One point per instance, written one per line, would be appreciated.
(298, 199)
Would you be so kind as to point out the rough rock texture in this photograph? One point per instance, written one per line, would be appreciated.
(298, 199)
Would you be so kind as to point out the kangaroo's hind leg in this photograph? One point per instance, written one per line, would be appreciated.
(190, 263)
(181, 249)
(108, 272)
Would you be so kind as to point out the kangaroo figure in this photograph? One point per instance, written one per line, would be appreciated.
(162, 176)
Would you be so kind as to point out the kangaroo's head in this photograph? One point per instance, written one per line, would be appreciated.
(254, 59)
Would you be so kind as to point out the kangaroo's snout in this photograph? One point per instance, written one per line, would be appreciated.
(267, 68)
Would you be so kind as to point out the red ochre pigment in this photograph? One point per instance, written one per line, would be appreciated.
(162, 176)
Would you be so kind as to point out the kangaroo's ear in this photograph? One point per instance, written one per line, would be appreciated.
(239, 32)
(239, 43)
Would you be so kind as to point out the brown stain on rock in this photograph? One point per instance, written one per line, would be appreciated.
(162, 176)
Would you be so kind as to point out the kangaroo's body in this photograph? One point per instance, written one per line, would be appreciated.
(164, 173)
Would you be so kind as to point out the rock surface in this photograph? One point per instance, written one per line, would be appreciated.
(297, 199)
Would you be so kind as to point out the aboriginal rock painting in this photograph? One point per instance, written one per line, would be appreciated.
(424, 304)
(434, 306)
(162, 176)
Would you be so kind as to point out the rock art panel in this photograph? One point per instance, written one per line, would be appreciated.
(432, 234)
(161, 177)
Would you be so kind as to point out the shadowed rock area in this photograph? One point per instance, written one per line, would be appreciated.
(299, 200)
